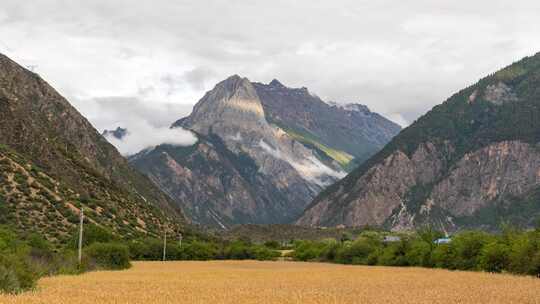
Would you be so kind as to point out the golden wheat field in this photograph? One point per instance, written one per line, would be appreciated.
(280, 282)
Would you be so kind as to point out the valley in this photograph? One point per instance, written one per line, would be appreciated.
(269, 152)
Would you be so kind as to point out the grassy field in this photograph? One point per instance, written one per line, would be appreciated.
(280, 282)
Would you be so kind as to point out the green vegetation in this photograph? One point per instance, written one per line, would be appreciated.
(343, 158)
(112, 256)
(325, 152)
(31, 200)
(201, 250)
(26, 258)
(513, 251)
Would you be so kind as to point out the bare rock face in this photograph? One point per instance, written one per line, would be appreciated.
(250, 165)
(508, 168)
(472, 162)
(381, 190)
(499, 93)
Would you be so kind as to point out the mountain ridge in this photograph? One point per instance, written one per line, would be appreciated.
(494, 113)
(55, 161)
(262, 171)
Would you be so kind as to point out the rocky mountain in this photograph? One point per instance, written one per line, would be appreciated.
(263, 153)
(349, 133)
(53, 162)
(118, 133)
(473, 161)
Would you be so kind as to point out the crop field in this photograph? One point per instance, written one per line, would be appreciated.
(280, 282)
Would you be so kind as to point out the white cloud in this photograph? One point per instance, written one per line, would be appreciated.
(398, 118)
(143, 136)
(148, 123)
(395, 56)
(311, 169)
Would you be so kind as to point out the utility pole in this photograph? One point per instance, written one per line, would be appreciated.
(165, 246)
(81, 235)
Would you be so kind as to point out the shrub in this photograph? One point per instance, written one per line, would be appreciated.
(443, 256)
(16, 273)
(394, 254)
(149, 249)
(199, 251)
(68, 263)
(237, 250)
(467, 247)
(358, 252)
(263, 253)
(493, 257)
(534, 269)
(91, 234)
(308, 250)
(523, 256)
(112, 256)
(276, 245)
(419, 254)
(9, 282)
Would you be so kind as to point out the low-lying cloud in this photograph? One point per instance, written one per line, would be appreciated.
(142, 136)
(311, 169)
(148, 122)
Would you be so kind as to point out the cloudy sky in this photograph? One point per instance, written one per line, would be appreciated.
(143, 64)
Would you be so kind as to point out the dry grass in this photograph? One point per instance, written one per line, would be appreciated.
(280, 282)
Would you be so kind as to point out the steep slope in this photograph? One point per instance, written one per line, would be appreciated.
(351, 129)
(54, 161)
(472, 161)
(244, 169)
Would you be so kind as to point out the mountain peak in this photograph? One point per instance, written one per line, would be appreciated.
(351, 107)
(276, 83)
(232, 103)
(234, 80)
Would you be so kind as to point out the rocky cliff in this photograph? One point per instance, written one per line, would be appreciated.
(54, 162)
(260, 157)
(472, 161)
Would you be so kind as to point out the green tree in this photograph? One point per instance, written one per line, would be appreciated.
(467, 247)
(92, 234)
(494, 257)
(112, 256)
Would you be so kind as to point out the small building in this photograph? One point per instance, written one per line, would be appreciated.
(391, 239)
(442, 241)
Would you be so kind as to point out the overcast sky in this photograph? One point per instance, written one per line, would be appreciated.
(120, 61)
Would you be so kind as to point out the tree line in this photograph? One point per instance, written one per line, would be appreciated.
(512, 251)
(26, 258)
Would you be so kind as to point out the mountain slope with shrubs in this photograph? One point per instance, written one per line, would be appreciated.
(53, 162)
